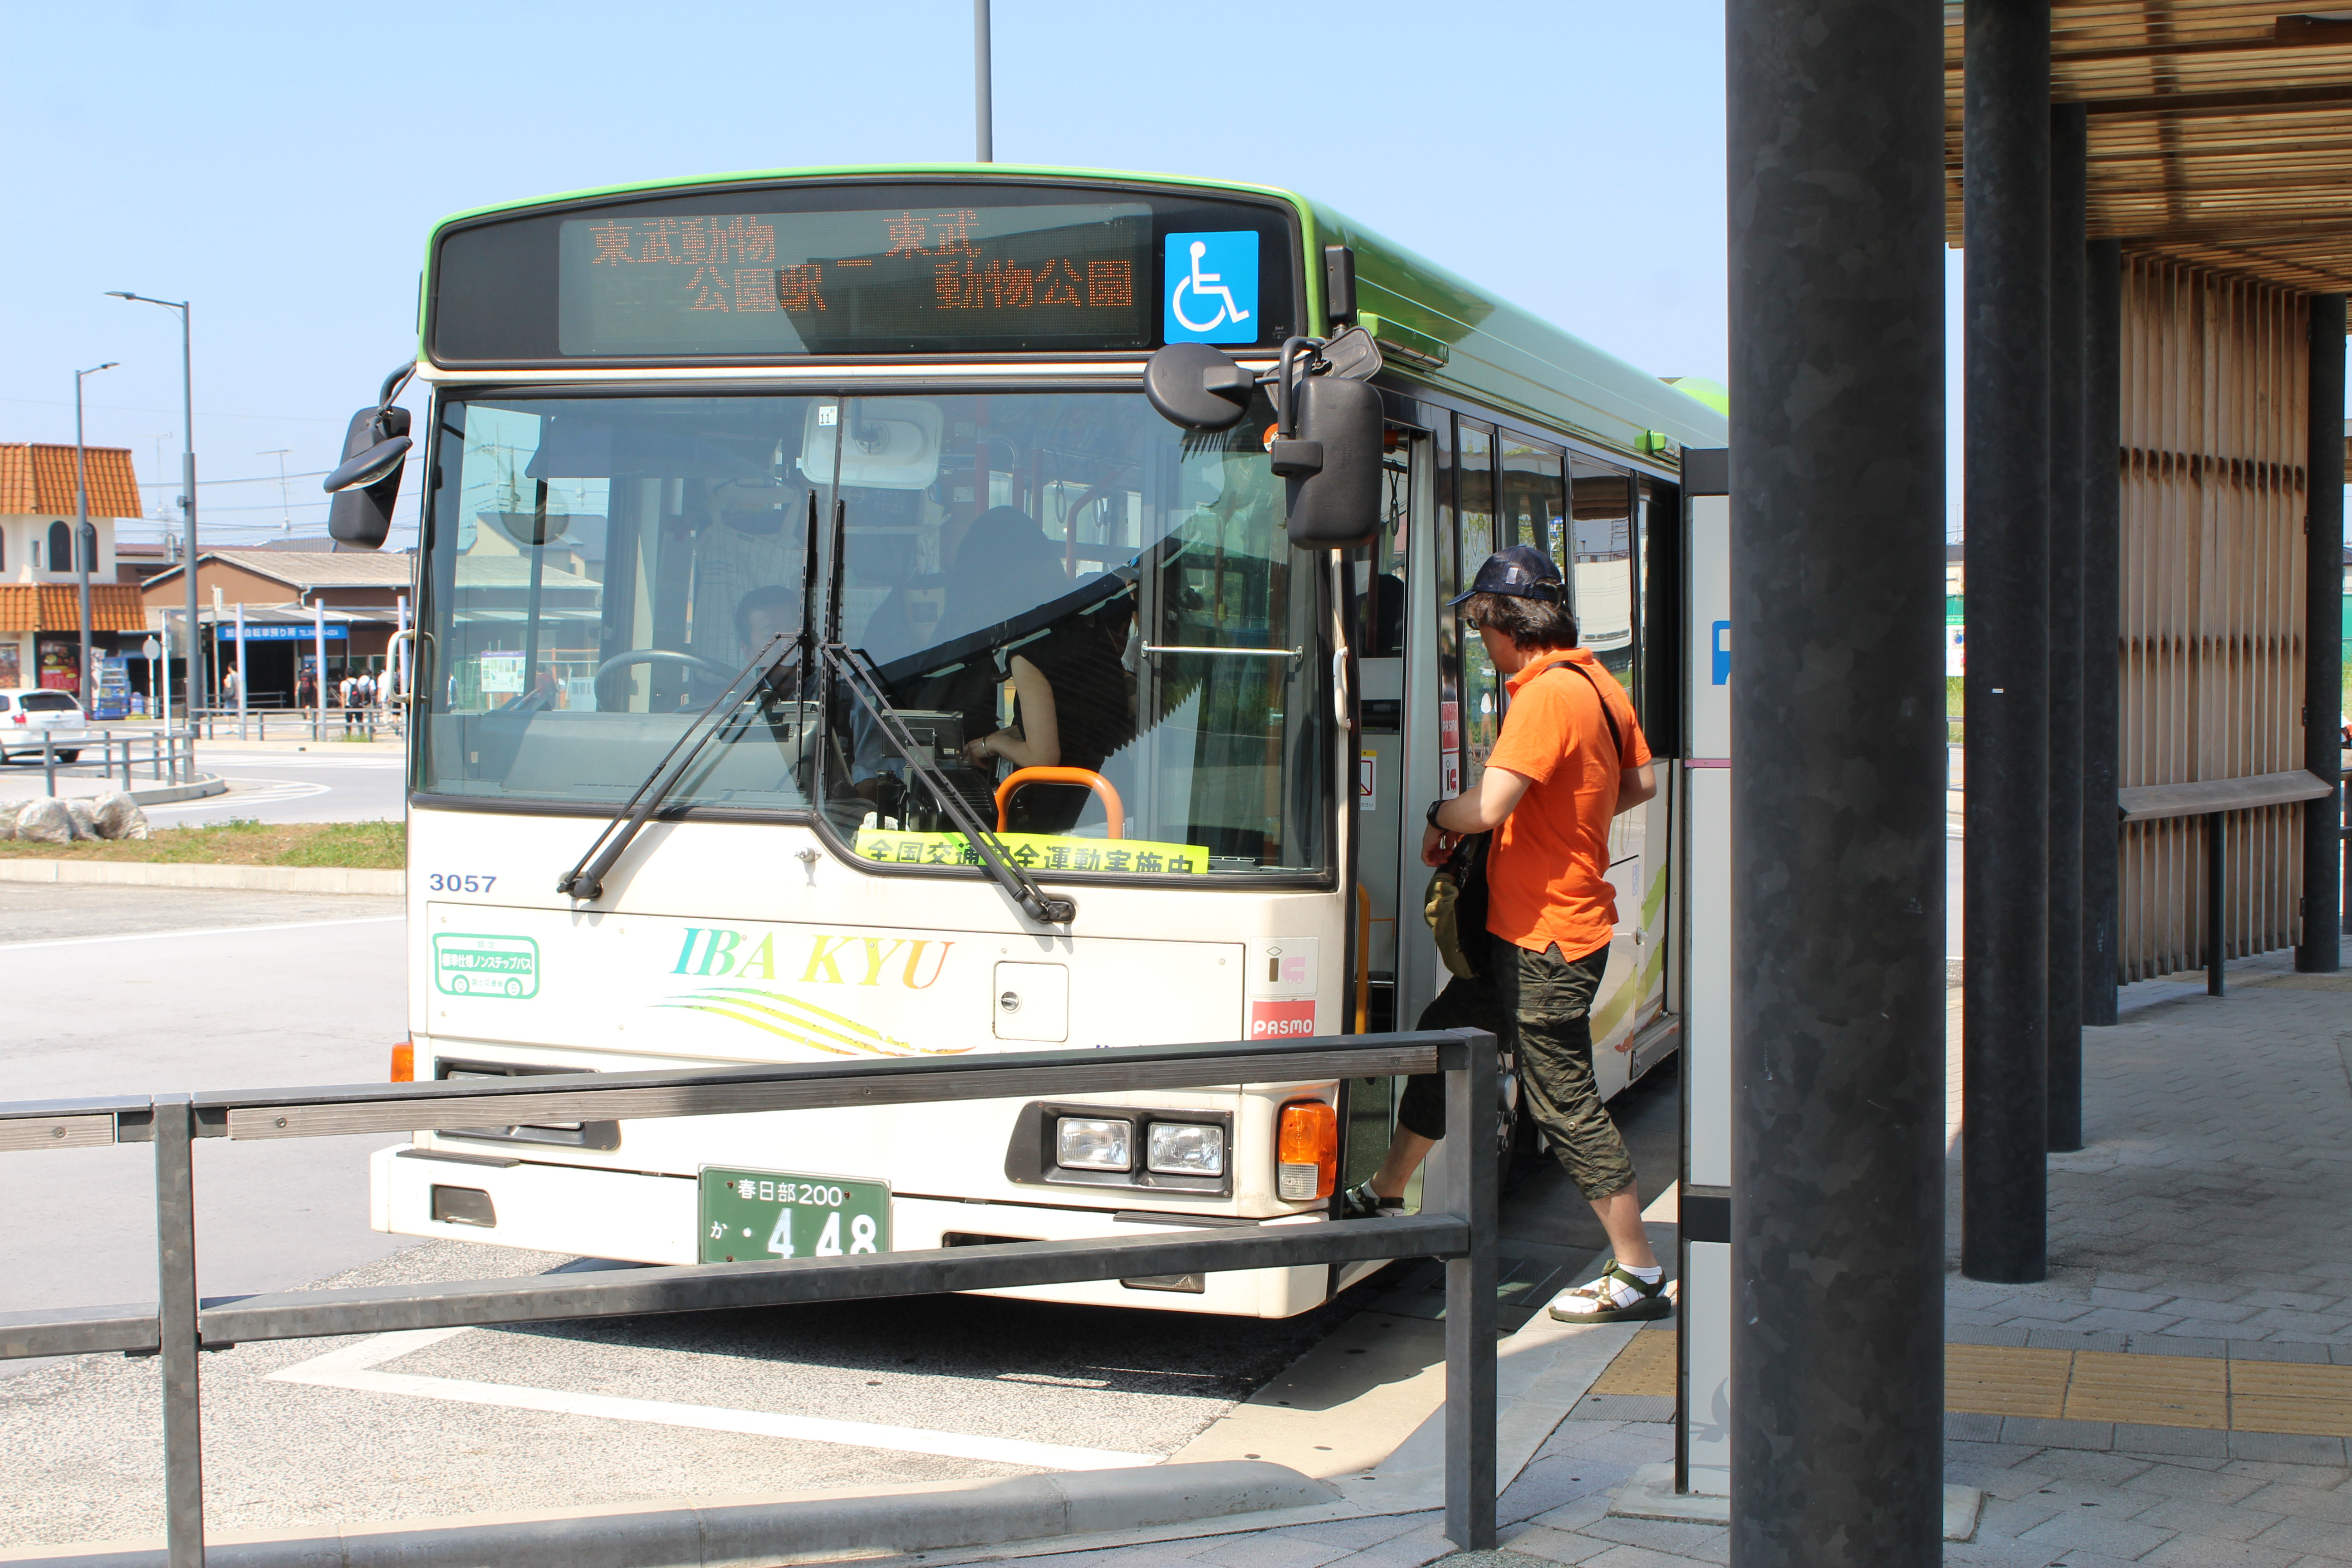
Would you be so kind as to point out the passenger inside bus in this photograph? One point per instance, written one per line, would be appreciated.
(764, 613)
(1071, 705)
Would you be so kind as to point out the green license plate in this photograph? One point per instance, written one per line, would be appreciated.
(749, 1216)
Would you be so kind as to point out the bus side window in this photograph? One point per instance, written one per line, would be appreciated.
(1604, 531)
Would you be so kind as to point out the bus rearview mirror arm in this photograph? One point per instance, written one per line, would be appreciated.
(1327, 436)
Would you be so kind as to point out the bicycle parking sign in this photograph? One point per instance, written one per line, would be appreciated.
(1212, 287)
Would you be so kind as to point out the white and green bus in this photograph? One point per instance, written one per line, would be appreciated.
(827, 650)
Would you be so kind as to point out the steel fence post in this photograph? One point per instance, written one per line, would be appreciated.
(2217, 902)
(49, 762)
(175, 1317)
(1469, 1153)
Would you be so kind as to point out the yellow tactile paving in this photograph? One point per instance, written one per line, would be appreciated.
(1646, 1365)
(2289, 1396)
(2152, 1390)
(2003, 1380)
(2202, 1392)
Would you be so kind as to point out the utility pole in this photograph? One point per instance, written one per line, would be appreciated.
(84, 536)
(285, 499)
(188, 485)
(983, 100)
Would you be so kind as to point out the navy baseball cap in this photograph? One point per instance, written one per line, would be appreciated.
(1523, 571)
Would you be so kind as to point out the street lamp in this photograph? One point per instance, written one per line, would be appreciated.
(85, 536)
(188, 490)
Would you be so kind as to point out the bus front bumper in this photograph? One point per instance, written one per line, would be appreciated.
(642, 1218)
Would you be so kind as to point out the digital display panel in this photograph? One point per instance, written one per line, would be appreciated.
(752, 273)
(829, 283)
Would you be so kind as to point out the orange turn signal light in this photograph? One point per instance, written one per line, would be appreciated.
(1307, 1152)
(404, 1062)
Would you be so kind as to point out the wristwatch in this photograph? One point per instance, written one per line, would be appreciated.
(1433, 807)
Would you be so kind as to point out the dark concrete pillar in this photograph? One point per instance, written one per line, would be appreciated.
(2323, 672)
(1837, 995)
(2005, 196)
(2103, 597)
(2069, 211)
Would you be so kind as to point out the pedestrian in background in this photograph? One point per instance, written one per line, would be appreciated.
(1570, 759)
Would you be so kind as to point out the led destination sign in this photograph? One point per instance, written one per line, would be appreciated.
(884, 268)
(811, 282)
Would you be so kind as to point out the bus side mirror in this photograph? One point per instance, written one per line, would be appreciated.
(366, 483)
(1195, 387)
(1333, 464)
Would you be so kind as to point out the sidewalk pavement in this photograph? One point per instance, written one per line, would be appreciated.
(2177, 1393)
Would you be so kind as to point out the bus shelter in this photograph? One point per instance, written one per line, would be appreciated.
(2155, 202)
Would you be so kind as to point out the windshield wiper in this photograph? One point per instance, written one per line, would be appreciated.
(856, 672)
(586, 880)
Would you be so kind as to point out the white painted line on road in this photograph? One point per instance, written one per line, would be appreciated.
(352, 1368)
(7, 947)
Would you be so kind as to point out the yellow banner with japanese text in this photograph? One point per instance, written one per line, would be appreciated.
(1036, 852)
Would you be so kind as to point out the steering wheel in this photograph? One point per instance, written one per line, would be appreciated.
(660, 656)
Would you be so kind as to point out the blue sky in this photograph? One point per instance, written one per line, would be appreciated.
(280, 166)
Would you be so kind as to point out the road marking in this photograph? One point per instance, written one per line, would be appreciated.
(7, 947)
(250, 792)
(353, 1368)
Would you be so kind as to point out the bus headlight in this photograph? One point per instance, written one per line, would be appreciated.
(1185, 1149)
(1090, 1144)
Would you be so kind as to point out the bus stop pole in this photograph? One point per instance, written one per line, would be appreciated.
(2069, 139)
(2321, 949)
(2102, 497)
(2005, 196)
(1836, 232)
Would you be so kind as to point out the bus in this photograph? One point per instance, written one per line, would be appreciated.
(830, 648)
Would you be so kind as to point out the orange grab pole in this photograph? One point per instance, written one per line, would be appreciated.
(1087, 777)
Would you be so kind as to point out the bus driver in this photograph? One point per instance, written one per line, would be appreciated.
(1571, 757)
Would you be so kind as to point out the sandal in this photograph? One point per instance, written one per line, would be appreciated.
(1607, 1299)
(1363, 1202)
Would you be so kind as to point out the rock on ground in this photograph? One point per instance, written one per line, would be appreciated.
(46, 821)
(118, 815)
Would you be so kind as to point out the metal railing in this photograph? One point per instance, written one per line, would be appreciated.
(166, 755)
(303, 723)
(178, 1327)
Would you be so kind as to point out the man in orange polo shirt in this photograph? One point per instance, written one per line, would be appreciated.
(1570, 759)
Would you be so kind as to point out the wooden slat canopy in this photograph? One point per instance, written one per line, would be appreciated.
(2221, 130)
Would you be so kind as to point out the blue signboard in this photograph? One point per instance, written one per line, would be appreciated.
(225, 631)
(1212, 283)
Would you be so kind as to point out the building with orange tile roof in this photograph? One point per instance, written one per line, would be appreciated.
(40, 608)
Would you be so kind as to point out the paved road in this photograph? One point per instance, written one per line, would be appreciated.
(121, 990)
(285, 781)
(269, 989)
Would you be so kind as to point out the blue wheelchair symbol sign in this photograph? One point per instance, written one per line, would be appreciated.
(1212, 287)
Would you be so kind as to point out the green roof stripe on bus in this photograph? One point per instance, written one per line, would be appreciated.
(1495, 353)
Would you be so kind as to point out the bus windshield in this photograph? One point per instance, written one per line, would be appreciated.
(1038, 580)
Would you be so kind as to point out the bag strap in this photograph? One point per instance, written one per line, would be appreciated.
(1607, 716)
